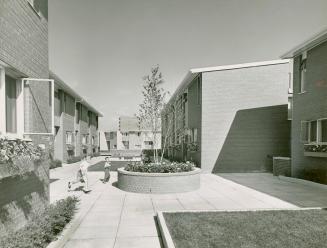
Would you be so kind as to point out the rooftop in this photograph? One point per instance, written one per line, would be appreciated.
(308, 44)
(65, 87)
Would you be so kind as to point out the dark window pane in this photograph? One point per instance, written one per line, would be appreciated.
(313, 131)
(324, 131)
(11, 109)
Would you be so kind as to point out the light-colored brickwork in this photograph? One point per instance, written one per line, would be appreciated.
(24, 38)
(230, 119)
(158, 183)
(244, 118)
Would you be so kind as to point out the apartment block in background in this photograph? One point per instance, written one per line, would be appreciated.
(309, 109)
(132, 136)
(76, 123)
(230, 118)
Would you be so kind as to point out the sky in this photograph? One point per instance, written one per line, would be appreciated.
(103, 48)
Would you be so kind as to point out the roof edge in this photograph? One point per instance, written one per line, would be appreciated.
(193, 73)
(65, 87)
(308, 44)
(240, 66)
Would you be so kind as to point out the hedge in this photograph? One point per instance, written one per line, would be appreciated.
(169, 167)
(42, 228)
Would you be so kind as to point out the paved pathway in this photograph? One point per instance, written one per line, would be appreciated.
(298, 194)
(110, 217)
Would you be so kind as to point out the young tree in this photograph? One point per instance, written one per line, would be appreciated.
(152, 105)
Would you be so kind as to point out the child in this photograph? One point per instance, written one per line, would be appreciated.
(107, 166)
(81, 176)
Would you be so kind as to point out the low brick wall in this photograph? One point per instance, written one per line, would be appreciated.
(22, 195)
(158, 183)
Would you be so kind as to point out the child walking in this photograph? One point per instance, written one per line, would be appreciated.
(107, 166)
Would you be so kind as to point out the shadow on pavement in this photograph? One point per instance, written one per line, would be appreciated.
(295, 193)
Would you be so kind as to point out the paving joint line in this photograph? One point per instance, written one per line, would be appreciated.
(120, 217)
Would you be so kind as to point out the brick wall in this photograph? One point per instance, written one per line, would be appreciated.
(225, 94)
(31, 195)
(311, 105)
(158, 183)
(24, 38)
(38, 108)
(24, 47)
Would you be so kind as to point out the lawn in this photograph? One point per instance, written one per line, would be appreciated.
(305, 228)
(114, 165)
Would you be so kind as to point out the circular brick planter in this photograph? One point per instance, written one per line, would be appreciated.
(158, 183)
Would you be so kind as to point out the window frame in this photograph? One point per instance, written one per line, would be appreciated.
(303, 73)
(318, 132)
(69, 137)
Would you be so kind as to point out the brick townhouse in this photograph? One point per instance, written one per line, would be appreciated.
(230, 118)
(25, 90)
(26, 103)
(131, 136)
(76, 123)
(309, 109)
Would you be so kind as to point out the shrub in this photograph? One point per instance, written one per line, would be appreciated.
(15, 149)
(55, 163)
(74, 159)
(315, 148)
(42, 228)
(172, 167)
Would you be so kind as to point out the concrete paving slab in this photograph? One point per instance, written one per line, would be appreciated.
(165, 205)
(91, 243)
(143, 242)
(95, 232)
(126, 230)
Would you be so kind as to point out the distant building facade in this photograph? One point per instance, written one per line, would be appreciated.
(309, 109)
(130, 136)
(230, 118)
(76, 123)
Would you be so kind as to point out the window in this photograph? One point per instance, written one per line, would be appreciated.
(314, 131)
(111, 135)
(126, 144)
(148, 143)
(85, 139)
(69, 105)
(323, 126)
(289, 108)
(78, 112)
(11, 105)
(303, 71)
(195, 135)
(69, 137)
